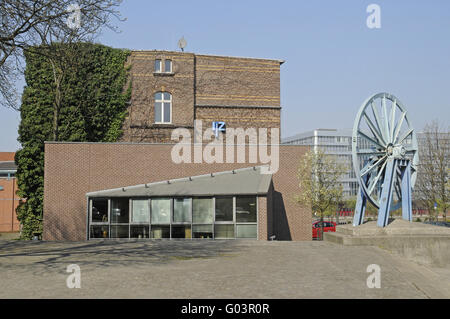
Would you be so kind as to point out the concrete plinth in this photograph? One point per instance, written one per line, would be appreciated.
(423, 243)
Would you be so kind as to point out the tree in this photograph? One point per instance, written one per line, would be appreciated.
(320, 184)
(27, 24)
(432, 184)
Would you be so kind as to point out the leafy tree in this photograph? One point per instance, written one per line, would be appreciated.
(26, 24)
(320, 184)
(432, 184)
(93, 102)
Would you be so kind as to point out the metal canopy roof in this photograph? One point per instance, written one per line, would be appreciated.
(244, 181)
(8, 166)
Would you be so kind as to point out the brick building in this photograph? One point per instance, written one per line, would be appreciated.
(134, 188)
(8, 198)
(172, 89)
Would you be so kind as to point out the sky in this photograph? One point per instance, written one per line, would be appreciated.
(333, 60)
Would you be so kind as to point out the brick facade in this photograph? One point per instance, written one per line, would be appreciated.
(74, 169)
(243, 92)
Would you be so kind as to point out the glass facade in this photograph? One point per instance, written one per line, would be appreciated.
(221, 217)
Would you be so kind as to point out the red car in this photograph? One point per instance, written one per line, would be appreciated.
(327, 226)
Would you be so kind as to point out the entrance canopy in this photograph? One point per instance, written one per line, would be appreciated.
(244, 181)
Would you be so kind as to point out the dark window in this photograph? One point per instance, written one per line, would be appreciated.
(246, 209)
(120, 210)
(139, 231)
(99, 231)
(224, 209)
(159, 232)
(181, 231)
(99, 211)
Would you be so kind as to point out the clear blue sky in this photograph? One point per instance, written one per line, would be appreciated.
(333, 61)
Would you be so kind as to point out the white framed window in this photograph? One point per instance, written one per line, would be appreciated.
(168, 66)
(163, 107)
(158, 66)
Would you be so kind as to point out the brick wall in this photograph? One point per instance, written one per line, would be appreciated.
(243, 92)
(8, 204)
(73, 169)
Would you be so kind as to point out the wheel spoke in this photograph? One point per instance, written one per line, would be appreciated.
(370, 151)
(386, 121)
(397, 128)
(377, 119)
(404, 136)
(375, 180)
(392, 125)
(374, 130)
(371, 139)
(369, 168)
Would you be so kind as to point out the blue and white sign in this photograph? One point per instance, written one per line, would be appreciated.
(217, 127)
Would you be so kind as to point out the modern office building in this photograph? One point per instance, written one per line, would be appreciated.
(135, 188)
(337, 142)
(8, 198)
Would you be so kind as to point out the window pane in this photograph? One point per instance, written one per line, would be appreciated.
(141, 211)
(99, 210)
(166, 96)
(158, 96)
(202, 210)
(157, 65)
(119, 231)
(181, 231)
(99, 231)
(182, 210)
(161, 211)
(160, 232)
(119, 210)
(158, 112)
(224, 209)
(202, 231)
(224, 231)
(168, 66)
(246, 231)
(139, 231)
(246, 209)
(167, 112)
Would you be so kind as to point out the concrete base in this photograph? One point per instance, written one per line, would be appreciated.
(422, 243)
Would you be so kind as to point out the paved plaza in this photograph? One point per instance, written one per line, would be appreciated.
(211, 269)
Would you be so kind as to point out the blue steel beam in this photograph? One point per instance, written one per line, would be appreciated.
(406, 192)
(386, 193)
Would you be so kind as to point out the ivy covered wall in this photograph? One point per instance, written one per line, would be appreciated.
(92, 94)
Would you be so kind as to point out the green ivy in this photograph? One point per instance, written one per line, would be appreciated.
(93, 108)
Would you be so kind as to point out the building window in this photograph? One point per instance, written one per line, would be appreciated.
(99, 211)
(182, 210)
(163, 107)
(168, 66)
(158, 65)
(219, 217)
(140, 212)
(246, 209)
(161, 211)
(224, 209)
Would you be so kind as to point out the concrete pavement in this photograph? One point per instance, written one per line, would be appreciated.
(211, 269)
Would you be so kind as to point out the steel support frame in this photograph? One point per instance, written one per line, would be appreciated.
(387, 194)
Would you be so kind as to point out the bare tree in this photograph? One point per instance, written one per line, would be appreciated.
(432, 185)
(30, 24)
(320, 183)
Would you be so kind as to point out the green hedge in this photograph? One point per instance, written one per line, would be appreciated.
(93, 108)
